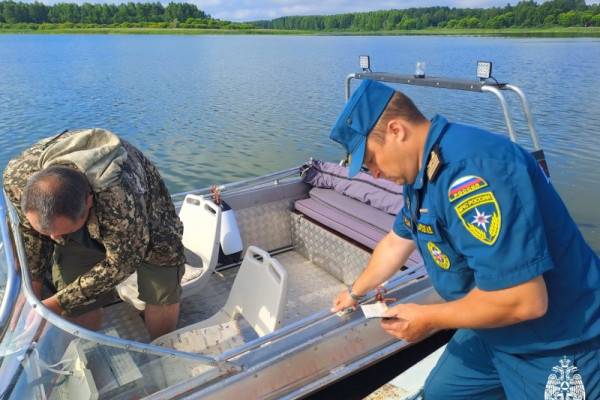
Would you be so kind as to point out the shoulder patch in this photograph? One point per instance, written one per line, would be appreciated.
(480, 215)
(465, 185)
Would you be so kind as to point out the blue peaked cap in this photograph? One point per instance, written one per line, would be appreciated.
(358, 118)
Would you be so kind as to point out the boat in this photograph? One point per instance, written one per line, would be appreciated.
(266, 256)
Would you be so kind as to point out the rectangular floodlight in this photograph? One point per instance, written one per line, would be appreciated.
(365, 63)
(484, 69)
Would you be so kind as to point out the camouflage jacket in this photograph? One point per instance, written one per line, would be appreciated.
(134, 219)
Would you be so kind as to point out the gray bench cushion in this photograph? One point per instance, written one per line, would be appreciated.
(358, 221)
(379, 193)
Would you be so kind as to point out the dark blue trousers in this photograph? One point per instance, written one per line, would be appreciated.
(470, 369)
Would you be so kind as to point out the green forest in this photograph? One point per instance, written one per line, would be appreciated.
(126, 15)
(526, 14)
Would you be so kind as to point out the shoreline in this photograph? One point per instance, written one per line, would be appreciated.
(572, 32)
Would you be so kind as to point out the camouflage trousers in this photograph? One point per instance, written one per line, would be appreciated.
(156, 284)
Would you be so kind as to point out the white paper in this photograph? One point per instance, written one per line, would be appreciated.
(374, 310)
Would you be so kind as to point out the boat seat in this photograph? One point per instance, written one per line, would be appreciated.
(258, 294)
(201, 220)
(361, 222)
(362, 208)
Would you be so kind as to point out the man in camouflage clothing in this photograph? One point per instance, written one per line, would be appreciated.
(95, 209)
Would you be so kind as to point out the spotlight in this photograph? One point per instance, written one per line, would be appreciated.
(365, 63)
(484, 69)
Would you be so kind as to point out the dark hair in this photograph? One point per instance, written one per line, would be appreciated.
(400, 106)
(55, 191)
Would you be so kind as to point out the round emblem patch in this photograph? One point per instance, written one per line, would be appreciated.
(440, 258)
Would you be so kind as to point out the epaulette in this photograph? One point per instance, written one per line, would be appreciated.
(434, 164)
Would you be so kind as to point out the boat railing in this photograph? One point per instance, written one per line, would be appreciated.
(12, 287)
(76, 330)
(274, 178)
(482, 86)
(305, 323)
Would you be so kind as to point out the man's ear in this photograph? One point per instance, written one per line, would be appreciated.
(397, 128)
(89, 200)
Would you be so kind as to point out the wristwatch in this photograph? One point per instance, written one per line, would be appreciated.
(355, 297)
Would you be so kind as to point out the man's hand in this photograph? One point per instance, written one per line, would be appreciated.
(407, 322)
(343, 301)
(389, 255)
(53, 305)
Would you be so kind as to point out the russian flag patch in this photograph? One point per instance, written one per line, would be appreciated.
(465, 185)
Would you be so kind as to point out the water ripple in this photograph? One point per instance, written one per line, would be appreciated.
(211, 109)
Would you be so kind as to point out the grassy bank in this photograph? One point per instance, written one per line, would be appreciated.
(516, 32)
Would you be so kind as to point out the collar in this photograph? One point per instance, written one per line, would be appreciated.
(436, 130)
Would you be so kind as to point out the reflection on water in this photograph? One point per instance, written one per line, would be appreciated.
(211, 109)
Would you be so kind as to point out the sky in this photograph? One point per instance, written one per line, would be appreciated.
(251, 10)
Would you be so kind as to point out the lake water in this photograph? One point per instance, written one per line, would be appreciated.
(211, 109)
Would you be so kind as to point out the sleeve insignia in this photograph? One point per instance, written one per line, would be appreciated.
(480, 215)
(465, 185)
(440, 258)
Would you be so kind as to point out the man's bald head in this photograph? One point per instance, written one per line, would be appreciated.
(56, 191)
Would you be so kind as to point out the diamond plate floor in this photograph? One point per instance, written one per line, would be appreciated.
(310, 289)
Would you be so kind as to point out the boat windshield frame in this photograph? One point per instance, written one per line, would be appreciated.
(13, 281)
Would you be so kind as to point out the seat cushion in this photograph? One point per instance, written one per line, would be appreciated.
(379, 193)
(358, 221)
(361, 211)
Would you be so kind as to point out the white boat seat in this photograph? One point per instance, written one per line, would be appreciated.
(201, 220)
(258, 294)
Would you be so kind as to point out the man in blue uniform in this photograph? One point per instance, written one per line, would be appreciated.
(521, 285)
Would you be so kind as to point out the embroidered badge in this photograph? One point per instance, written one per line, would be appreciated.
(425, 228)
(440, 258)
(480, 214)
(465, 185)
(564, 382)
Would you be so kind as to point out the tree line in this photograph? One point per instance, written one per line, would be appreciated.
(125, 14)
(525, 14)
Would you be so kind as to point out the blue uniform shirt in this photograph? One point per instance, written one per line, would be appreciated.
(491, 219)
